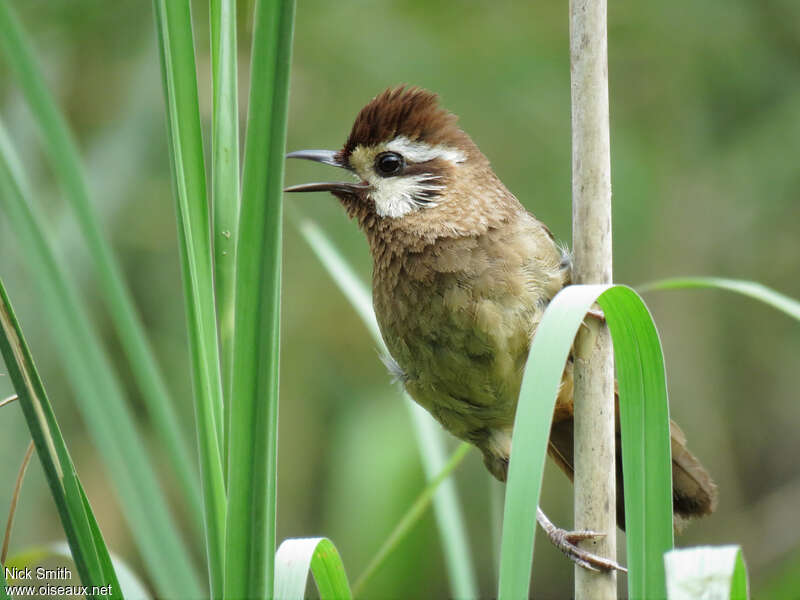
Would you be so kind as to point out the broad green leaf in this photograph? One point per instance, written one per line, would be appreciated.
(252, 470)
(711, 573)
(644, 420)
(429, 434)
(86, 544)
(752, 289)
(66, 162)
(98, 391)
(296, 557)
(176, 45)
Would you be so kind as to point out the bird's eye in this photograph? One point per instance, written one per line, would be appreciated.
(389, 163)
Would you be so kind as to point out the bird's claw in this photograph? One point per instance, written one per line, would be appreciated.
(567, 541)
(573, 537)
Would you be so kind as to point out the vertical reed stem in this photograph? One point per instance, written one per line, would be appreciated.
(595, 489)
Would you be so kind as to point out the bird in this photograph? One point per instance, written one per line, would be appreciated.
(461, 276)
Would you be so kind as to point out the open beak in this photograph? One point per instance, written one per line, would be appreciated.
(327, 157)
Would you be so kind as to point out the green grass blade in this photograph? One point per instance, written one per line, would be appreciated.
(176, 45)
(107, 561)
(225, 182)
(65, 158)
(644, 426)
(430, 441)
(752, 289)
(250, 542)
(412, 516)
(98, 391)
(740, 587)
(88, 548)
(645, 435)
(3, 593)
(296, 557)
(712, 573)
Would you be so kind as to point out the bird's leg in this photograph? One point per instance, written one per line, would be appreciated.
(566, 541)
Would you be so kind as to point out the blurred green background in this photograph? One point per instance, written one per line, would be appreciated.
(705, 133)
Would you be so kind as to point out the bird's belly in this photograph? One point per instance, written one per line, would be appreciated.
(461, 356)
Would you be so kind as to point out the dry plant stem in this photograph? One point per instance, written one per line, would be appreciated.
(595, 490)
(10, 523)
(8, 400)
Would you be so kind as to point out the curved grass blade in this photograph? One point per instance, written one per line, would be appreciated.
(646, 447)
(430, 440)
(87, 545)
(644, 421)
(176, 45)
(711, 573)
(98, 391)
(252, 470)
(225, 183)
(296, 557)
(751, 289)
(66, 162)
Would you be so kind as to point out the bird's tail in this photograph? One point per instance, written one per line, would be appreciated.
(694, 494)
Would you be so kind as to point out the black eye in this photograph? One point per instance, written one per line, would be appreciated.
(389, 163)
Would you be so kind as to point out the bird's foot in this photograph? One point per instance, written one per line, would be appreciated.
(567, 542)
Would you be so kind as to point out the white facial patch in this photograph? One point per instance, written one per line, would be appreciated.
(399, 195)
(421, 152)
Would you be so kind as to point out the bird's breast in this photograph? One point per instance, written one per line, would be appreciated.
(458, 315)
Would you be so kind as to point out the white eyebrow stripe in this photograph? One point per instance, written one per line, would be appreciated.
(422, 152)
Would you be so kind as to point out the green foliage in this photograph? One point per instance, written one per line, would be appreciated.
(85, 540)
(98, 390)
(644, 429)
(176, 45)
(252, 477)
(66, 163)
(252, 472)
(225, 181)
(751, 289)
(647, 176)
(296, 557)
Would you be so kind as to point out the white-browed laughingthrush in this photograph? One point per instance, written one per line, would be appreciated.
(462, 274)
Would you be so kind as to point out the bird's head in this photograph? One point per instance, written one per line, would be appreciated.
(413, 167)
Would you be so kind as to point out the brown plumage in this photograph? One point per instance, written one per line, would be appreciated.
(412, 112)
(462, 274)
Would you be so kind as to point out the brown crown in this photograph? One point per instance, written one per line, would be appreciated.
(407, 111)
